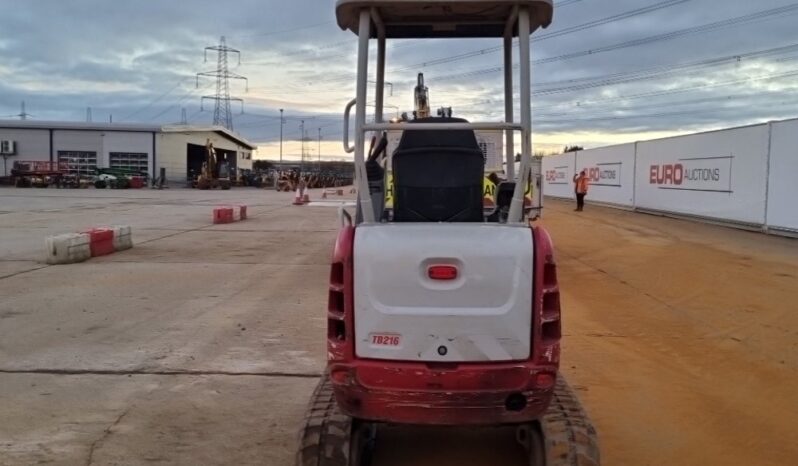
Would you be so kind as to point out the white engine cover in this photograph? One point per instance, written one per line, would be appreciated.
(485, 314)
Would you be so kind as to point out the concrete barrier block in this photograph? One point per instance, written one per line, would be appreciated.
(101, 241)
(67, 248)
(222, 215)
(123, 237)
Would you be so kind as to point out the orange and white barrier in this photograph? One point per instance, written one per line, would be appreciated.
(72, 248)
(229, 214)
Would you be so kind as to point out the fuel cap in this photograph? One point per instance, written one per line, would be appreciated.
(442, 350)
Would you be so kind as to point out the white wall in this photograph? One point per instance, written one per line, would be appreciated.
(741, 175)
(66, 140)
(783, 187)
(117, 141)
(558, 173)
(720, 175)
(32, 144)
(611, 173)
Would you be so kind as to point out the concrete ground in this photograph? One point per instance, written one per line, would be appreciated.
(199, 346)
(203, 343)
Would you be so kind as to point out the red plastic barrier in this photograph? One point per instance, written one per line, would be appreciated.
(222, 215)
(101, 241)
(137, 182)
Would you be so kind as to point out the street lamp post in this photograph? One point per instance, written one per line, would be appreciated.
(281, 137)
(319, 150)
(302, 151)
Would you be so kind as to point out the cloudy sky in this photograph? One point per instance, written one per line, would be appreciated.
(606, 71)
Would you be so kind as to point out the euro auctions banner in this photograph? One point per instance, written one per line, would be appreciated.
(558, 174)
(611, 173)
(719, 175)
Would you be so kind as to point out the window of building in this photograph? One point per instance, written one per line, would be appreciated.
(129, 160)
(78, 162)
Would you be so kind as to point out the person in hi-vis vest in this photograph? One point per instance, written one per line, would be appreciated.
(581, 184)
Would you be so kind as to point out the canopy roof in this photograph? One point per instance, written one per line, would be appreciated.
(442, 18)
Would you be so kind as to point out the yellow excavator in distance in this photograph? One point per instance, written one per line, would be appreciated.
(208, 178)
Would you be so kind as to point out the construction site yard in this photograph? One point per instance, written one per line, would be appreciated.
(203, 343)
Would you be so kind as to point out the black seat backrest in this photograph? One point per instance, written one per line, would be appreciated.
(438, 175)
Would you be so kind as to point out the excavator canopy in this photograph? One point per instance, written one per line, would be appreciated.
(405, 19)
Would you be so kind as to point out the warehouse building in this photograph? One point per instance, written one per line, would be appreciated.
(82, 147)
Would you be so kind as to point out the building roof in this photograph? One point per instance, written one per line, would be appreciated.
(235, 137)
(125, 127)
(79, 125)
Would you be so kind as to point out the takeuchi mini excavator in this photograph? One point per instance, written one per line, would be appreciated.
(439, 312)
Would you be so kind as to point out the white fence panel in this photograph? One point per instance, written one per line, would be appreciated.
(558, 173)
(719, 175)
(783, 187)
(611, 173)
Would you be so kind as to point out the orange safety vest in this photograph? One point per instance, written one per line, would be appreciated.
(582, 184)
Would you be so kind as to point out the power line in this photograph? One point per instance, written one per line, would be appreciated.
(488, 50)
(767, 14)
(668, 92)
(581, 27)
(154, 101)
(284, 31)
(658, 72)
(351, 42)
(180, 101)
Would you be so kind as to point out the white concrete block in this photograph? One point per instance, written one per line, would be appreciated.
(123, 237)
(67, 248)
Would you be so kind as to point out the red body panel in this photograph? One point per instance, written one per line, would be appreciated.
(443, 394)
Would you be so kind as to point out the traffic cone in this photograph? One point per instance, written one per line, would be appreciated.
(298, 198)
(305, 199)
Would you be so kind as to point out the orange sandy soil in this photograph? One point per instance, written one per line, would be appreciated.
(680, 338)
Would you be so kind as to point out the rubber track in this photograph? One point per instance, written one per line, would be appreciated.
(325, 437)
(569, 436)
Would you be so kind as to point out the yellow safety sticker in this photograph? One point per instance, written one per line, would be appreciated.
(389, 190)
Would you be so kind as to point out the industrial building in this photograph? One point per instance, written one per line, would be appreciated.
(82, 147)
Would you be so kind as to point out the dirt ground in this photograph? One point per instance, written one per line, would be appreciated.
(682, 338)
(203, 343)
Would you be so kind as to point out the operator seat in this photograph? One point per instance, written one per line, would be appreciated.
(438, 175)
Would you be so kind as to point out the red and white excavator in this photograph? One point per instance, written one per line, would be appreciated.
(440, 313)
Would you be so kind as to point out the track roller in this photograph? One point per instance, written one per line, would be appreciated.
(330, 438)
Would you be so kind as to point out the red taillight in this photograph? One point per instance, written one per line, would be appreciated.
(339, 303)
(547, 300)
(545, 380)
(442, 272)
(340, 376)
